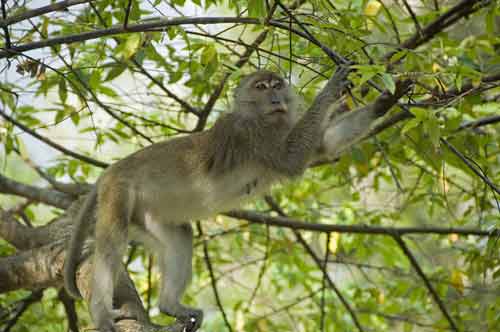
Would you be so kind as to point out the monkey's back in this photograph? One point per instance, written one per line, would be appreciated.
(170, 181)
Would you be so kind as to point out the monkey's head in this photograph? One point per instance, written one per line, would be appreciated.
(267, 96)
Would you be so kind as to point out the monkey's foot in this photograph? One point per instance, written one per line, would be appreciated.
(191, 319)
(105, 320)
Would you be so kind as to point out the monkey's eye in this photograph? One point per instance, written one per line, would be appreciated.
(277, 85)
(261, 85)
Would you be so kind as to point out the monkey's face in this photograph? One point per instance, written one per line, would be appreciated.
(268, 97)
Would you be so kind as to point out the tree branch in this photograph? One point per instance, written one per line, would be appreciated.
(244, 58)
(430, 288)
(47, 196)
(320, 265)
(460, 10)
(52, 144)
(5, 29)
(473, 168)
(213, 280)
(40, 11)
(259, 218)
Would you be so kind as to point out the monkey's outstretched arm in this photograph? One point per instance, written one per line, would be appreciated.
(82, 223)
(349, 128)
(306, 136)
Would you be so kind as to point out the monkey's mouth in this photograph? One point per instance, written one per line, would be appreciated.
(279, 111)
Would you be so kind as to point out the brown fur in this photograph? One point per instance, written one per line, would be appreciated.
(153, 194)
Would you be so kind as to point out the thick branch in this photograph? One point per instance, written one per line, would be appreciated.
(131, 28)
(42, 268)
(23, 237)
(33, 269)
(47, 196)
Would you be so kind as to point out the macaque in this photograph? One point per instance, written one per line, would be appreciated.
(152, 195)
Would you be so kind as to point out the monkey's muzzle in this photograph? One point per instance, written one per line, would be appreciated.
(279, 110)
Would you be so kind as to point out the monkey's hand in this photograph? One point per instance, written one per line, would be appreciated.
(340, 80)
(191, 318)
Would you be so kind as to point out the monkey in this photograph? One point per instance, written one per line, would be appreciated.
(152, 195)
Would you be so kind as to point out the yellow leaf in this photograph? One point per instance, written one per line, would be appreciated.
(380, 297)
(476, 82)
(458, 280)
(436, 67)
(132, 45)
(372, 8)
(334, 242)
(262, 324)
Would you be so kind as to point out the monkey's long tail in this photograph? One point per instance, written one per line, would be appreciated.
(82, 223)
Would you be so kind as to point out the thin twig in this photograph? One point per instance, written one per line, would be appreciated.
(460, 10)
(473, 168)
(127, 14)
(413, 17)
(323, 281)
(208, 262)
(337, 59)
(430, 288)
(6, 28)
(40, 11)
(319, 263)
(144, 72)
(52, 144)
(262, 269)
(391, 19)
(244, 58)
(85, 84)
(21, 308)
(480, 122)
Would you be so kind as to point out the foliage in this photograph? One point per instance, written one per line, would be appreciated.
(106, 97)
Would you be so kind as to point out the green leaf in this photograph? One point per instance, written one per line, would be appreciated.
(63, 91)
(398, 55)
(108, 91)
(209, 55)
(433, 130)
(413, 123)
(95, 79)
(388, 82)
(60, 116)
(172, 32)
(368, 71)
(73, 113)
(257, 8)
(115, 72)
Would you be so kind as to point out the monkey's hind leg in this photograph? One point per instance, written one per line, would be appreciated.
(176, 270)
(113, 216)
